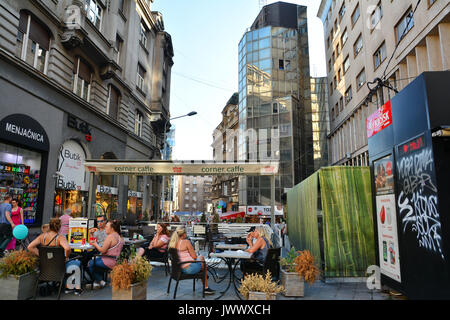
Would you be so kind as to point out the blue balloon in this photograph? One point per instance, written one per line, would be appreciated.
(20, 232)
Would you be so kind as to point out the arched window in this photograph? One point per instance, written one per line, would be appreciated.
(34, 42)
(113, 102)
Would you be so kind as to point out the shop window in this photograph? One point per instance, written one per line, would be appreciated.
(20, 177)
(33, 39)
(82, 76)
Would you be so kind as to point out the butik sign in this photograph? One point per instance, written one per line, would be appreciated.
(71, 167)
(379, 120)
(263, 210)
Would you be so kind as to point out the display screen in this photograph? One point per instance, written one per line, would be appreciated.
(19, 177)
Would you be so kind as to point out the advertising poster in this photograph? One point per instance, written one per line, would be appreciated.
(384, 176)
(387, 236)
(78, 230)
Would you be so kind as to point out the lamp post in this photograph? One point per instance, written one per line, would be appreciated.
(190, 114)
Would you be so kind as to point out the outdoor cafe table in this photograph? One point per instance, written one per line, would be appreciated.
(134, 242)
(227, 246)
(87, 251)
(232, 259)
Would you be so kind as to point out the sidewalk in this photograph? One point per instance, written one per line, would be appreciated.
(158, 282)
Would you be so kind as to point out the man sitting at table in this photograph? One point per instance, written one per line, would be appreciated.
(100, 233)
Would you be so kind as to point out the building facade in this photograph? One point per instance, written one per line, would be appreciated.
(275, 101)
(320, 121)
(194, 193)
(225, 189)
(360, 38)
(81, 80)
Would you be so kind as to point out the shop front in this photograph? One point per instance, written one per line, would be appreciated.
(24, 148)
(71, 181)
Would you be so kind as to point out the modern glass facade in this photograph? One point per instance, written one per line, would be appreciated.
(320, 121)
(274, 103)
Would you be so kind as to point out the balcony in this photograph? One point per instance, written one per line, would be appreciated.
(80, 33)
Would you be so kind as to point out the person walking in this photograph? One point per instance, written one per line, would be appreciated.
(65, 220)
(17, 218)
(6, 224)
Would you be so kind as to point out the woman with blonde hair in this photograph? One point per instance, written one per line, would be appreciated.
(259, 241)
(187, 253)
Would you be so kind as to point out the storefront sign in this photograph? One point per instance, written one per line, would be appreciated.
(107, 190)
(379, 120)
(263, 210)
(182, 168)
(135, 194)
(80, 125)
(71, 167)
(24, 130)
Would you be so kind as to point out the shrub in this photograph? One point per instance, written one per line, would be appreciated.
(17, 263)
(134, 270)
(257, 283)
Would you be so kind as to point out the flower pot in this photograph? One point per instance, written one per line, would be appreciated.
(21, 288)
(261, 296)
(294, 285)
(137, 291)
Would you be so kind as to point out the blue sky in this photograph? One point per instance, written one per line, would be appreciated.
(205, 36)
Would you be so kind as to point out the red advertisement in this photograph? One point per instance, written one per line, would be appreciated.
(379, 120)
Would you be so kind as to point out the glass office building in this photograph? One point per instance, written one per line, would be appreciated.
(275, 100)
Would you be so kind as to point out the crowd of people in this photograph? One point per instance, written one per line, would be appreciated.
(108, 242)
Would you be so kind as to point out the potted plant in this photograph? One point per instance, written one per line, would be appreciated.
(129, 278)
(18, 275)
(257, 287)
(296, 268)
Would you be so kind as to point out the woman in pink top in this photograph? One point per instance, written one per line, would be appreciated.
(17, 218)
(158, 245)
(111, 247)
(187, 253)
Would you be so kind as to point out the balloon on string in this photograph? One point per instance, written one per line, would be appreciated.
(20, 232)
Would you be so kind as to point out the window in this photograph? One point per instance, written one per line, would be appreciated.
(342, 12)
(348, 95)
(143, 36)
(33, 42)
(82, 75)
(121, 3)
(113, 102)
(380, 55)
(361, 78)
(94, 13)
(344, 37)
(140, 78)
(405, 24)
(355, 15)
(341, 104)
(332, 114)
(346, 64)
(376, 15)
(118, 47)
(357, 47)
(138, 120)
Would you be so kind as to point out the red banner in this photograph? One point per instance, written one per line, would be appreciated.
(379, 120)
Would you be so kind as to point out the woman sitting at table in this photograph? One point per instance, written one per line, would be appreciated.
(259, 242)
(111, 247)
(51, 238)
(158, 245)
(187, 253)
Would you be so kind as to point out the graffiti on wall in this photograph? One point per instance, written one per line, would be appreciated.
(417, 199)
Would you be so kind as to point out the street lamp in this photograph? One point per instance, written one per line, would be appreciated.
(190, 114)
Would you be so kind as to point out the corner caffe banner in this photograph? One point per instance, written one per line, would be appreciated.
(202, 168)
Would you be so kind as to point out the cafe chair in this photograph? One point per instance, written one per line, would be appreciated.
(271, 263)
(164, 259)
(52, 267)
(177, 275)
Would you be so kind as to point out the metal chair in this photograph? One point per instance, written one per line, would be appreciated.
(177, 274)
(164, 259)
(271, 263)
(52, 266)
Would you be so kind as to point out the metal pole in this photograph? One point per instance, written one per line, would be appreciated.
(91, 194)
(164, 177)
(272, 200)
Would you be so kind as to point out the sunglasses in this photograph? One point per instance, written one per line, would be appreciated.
(100, 221)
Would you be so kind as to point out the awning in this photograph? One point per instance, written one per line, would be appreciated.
(232, 215)
(196, 168)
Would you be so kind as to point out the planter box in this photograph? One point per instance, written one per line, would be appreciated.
(22, 288)
(294, 287)
(137, 291)
(261, 296)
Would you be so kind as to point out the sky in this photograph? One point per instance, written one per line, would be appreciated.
(205, 36)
